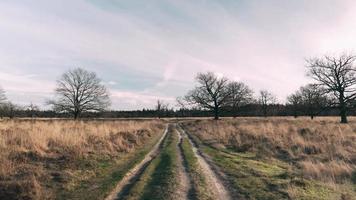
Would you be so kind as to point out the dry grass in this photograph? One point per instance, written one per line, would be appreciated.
(30, 151)
(322, 149)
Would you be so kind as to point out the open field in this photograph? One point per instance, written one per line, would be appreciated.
(281, 158)
(177, 100)
(242, 158)
(64, 159)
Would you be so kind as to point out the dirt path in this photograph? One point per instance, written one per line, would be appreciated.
(184, 187)
(183, 179)
(135, 172)
(214, 183)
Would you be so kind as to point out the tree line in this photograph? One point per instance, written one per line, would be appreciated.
(80, 93)
(334, 88)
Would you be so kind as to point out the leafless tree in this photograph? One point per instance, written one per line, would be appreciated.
(9, 109)
(265, 99)
(32, 109)
(161, 107)
(3, 101)
(337, 76)
(211, 93)
(239, 94)
(2, 96)
(80, 91)
(311, 99)
(181, 104)
(296, 101)
(314, 99)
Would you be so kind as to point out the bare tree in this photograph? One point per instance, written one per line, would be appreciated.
(211, 93)
(80, 91)
(296, 101)
(161, 107)
(310, 99)
(32, 109)
(9, 109)
(313, 99)
(265, 99)
(2, 96)
(337, 76)
(239, 94)
(2, 103)
(181, 104)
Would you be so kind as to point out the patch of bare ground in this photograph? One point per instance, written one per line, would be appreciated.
(214, 183)
(184, 188)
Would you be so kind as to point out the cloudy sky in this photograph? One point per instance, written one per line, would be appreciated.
(149, 50)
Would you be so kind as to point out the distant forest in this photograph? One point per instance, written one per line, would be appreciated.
(247, 111)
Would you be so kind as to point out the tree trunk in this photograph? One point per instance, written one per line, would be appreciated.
(216, 113)
(234, 110)
(216, 110)
(343, 115)
(295, 113)
(311, 113)
(265, 110)
(76, 115)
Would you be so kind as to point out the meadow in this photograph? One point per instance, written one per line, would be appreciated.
(282, 157)
(66, 159)
(251, 158)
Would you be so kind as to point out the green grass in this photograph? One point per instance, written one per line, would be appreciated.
(160, 178)
(200, 190)
(97, 176)
(136, 192)
(253, 177)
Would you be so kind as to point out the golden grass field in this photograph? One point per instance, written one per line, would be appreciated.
(266, 158)
(320, 150)
(41, 158)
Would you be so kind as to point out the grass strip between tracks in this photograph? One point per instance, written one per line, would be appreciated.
(200, 190)
(159, 178)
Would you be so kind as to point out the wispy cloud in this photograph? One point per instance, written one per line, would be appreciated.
(145, 51)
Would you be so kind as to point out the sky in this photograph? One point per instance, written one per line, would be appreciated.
(149, 50)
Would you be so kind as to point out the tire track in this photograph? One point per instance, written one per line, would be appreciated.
(133, 175)
(183, 178)
(214, 183)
